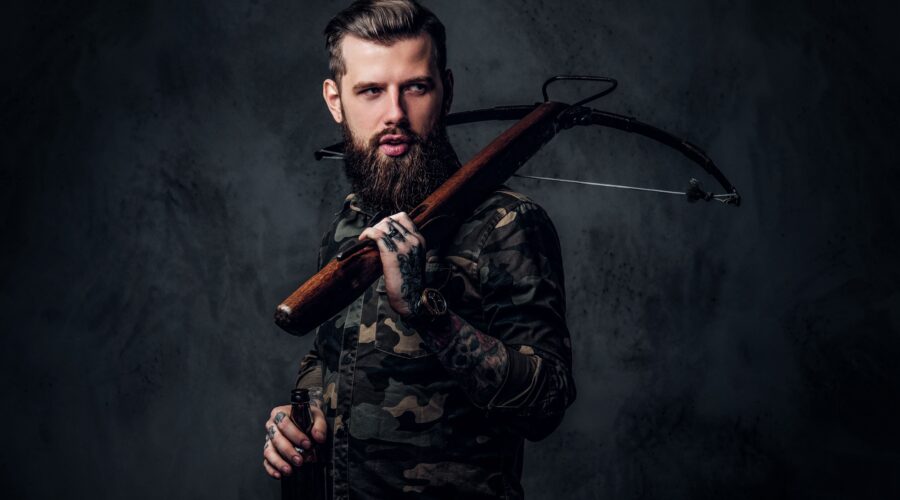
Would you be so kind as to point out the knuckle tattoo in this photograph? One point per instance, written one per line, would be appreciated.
(389, 243)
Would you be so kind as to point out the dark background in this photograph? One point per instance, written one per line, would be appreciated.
(159, 198)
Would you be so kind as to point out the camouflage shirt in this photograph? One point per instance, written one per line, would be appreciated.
(409, 416)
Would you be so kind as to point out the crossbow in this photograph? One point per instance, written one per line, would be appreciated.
(578, 114)
(357, 266)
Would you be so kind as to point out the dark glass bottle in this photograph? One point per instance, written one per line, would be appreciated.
(307, 480)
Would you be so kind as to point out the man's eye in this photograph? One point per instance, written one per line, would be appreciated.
(371, 91)
(417, 88)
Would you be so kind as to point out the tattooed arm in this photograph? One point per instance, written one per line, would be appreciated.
(531, 387)
(522, 288)
(521, 365)
(479, 361)
(518, 365)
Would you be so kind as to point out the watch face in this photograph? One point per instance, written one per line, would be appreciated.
(435, 301)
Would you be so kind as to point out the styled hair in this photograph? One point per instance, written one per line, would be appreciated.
(383, 22)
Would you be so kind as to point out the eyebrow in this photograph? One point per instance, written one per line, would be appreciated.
(418, 79)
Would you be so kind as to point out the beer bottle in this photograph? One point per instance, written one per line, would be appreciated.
(307, 480)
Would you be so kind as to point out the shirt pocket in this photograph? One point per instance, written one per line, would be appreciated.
(392, 336)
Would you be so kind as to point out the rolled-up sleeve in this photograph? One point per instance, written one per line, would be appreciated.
(523, 297)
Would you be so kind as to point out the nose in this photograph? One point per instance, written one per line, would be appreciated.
(395, 115)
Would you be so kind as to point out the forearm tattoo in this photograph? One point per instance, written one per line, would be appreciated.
(412, 269)
(478, 360)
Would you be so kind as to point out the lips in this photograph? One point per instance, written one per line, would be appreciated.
(394, 144)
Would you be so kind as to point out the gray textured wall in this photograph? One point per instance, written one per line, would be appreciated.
(158, 199)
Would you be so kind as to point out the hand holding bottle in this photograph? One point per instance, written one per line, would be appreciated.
(287, 444)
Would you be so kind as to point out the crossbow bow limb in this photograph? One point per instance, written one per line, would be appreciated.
(358, 265)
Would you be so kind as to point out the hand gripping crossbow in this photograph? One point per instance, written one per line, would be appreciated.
(356, 267)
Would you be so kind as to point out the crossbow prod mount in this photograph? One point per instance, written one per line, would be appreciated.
(358, 265)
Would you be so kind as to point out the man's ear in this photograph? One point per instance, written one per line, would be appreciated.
(448, 90)
(332, 96)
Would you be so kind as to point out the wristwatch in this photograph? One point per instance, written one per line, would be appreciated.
(429, 311)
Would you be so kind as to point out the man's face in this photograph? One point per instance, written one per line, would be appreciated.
(387, 86)
(391, 103)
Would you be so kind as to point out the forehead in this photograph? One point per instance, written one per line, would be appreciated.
(365, 60)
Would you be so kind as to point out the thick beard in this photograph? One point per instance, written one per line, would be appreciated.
(398, 184)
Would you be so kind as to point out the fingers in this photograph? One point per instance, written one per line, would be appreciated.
(272, 471)
(286, 444)
(396, 231)
(287, 449)
(398, 228)
(272, 455)
(387, 243)
(283, 442)
(288, 428)
(407, 223)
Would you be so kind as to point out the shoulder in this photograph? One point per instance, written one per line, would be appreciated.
(506, 218)
(502, 202)
(346, 225)
(508, 209)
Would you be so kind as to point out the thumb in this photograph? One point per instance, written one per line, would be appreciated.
(320, 425)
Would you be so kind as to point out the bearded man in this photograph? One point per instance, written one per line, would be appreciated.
(434, 377)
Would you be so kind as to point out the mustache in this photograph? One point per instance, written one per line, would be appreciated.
(410, 137)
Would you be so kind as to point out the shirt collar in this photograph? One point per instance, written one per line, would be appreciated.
(351, 202)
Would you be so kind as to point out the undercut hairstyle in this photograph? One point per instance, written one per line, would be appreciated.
(383, 22)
